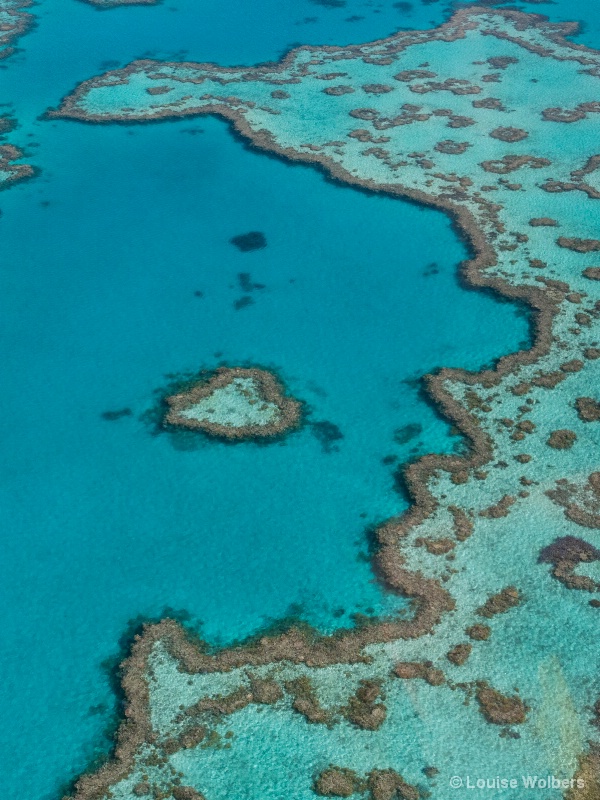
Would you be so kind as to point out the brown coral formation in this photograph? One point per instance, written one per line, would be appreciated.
(500, 709)
(565, 554)
(579, 245)
(414, 74)
(377, 88)
(459, 121)
(459, 654)
(186, 793)
(562, 439)
(586, 784)
(556, 187)
(221, 705)
(338, 91)
(501, 602)
(501, 62)
(479, 633)
(408, 670)
(592, 273)
(462, 524)
(16, 172)
(580, 502)
(363, 135)
(192, 737)
(437, 547)
(588, 409)
(562, 114)
(539, 222)
(268, 388)
(451, 148)
(363, 710)
(570, 114)
(548, 380)
(306, 701)
(386, 784)
(337, 782)
(457, 86)
(381, 784)
(16, 22)
(265, 691)
(157, 90)
(500, 509)
(489, 102)
(506, 164)
(509, 134)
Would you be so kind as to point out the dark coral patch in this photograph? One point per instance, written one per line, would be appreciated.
(327, 433)
(243, 302)
(111, 416)
(247, 285)
(254, 240)
(408, 432)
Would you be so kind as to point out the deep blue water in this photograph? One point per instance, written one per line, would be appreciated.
(101, 258)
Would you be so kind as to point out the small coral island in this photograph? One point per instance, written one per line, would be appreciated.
(235, 404)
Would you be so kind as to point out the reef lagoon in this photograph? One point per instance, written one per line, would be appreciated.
(300, 484)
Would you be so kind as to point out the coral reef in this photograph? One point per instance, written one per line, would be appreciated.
(499, 709)
(15, 21)
(564, 555)
(10, 172)
(235, 404)
(337, 782)
(468, 530)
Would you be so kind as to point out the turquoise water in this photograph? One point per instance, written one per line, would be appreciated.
(102, 256)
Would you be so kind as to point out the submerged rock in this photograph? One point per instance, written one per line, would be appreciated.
(254, 240)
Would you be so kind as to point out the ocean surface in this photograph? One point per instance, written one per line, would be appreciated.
(117, 277)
